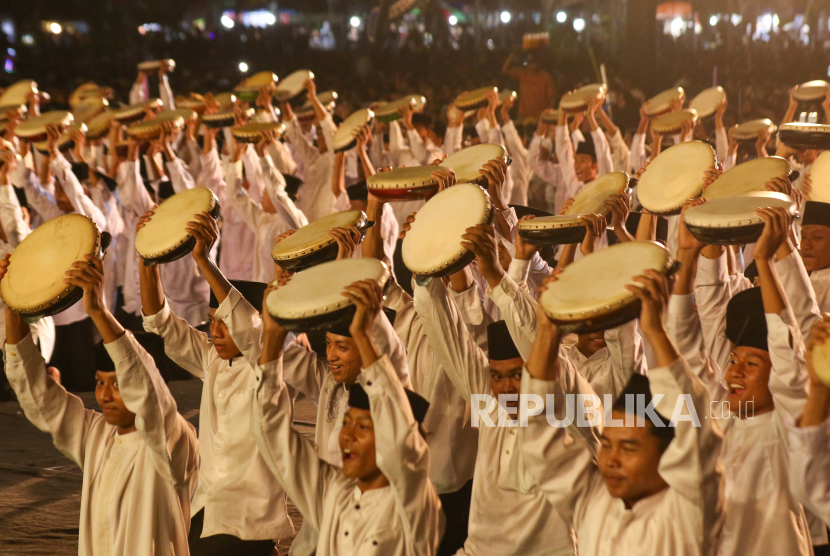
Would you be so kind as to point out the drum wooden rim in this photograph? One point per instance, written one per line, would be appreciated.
(672, 122)
(707, 102)
(135, 112)
(318, 236)
(660, 103)
(748, 131)
(34, 129)
(143, 243)
(475, 98)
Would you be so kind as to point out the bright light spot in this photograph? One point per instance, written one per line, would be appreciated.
(561, 17)
(269, 18)
(766, 20)
(579, 24)
(453, 20)
(490, 44)
(27, 40)
(243, 67)
(677, 26)
(55, 27)
(698, 28)
(713, 20)
(505, 16)
(227, 22)
(776, 21)
(736, 19)
(9, 66)
(11, 51)
(354, 21)
(141, 29)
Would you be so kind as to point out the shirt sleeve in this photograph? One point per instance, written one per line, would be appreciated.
(157, 420)
(809, 467)
(518, 309)
(482, 129)
(138, 92)
(46, 403)
(402, 453)
(603, 151)
(275, 186)
(11, 216)
(452, 139)
(638, 151)
(799, 290)
(545, 169)
(244, 324)
(82, 204)
(249, 211)
(712, 294)
(42, 201)
(788, 380)
(304, 150)
(620, 152)
(166, 93)
(417, 147)
(180, 176)
(627, 356)
(212, 175)
(289, 455)
(185, 345)
(721, 143)
(565, 154)
(465, 363)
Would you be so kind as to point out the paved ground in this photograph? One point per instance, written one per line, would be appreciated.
(40, 489)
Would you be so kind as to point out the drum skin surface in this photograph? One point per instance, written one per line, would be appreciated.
(747, 177)
(661, 103)
(591, 198)
(707, 102)
(165, 232)
(676, 175)
(820, 174)
(313, 298)
(432, 247)
(732, 220)
(413, 182)
(576, 101)
(552, 230)
(467, 162)
(590, 294)
(34, 280)
(344, 137)
(315, 236)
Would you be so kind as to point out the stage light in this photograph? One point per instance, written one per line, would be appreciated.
(561, 17)
(505, 16)
(270, 18)
(243, 67)
(227, 22)
(55, 27)
(453, 20)
(354, 21)
(579, 24)
(713, 20)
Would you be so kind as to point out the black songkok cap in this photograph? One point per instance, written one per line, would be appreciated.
(426, 120)
(358, 191)
(251, 291)
(522, 211)
(342, 329)
(587, 147)
(499, 343)
(816, 214)
(746, 323)
(360, 400)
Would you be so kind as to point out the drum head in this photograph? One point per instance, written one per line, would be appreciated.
(135, 112)
(474, 99)
(313, 298)
(4, 110)
(820, 176)
(748, 131)
(292, 86)
(506, 94)
(65, 140)
(592, 289)
(252, 131)
(413, 182)
(812, 90)
(748, 177)
(552, 230)
(34, 129)
(17, 93)
(675, 176)
(99, 126)
(224, 100)
(165, 232)
(672, 122)
(152, 65)
(89, 107)
(315, 236)
(83, 92)
(388, 111)
(344, 137)
(467, 162)
(194, 102)
(805, 136)
(707, 102)
(34, 280)
(151, 129)
(550, 118)
(248, 90)
(590, 199)
(821, 362)
(662, 102)
(578, 100)
(732, 220)
(434, 243)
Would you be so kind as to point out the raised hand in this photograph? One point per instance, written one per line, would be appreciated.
(777, 222)
(89, 275)
(595, 228)
(367, 297)
(446, 178)
(481, 240)
(524, 250)
(347, 241)
(205, 230)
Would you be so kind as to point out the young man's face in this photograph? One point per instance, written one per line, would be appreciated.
(357, 445)
(222, 341)
(747, 380)
(590, 343)
(585, 167)
(62, 200)
(343, 357)
(628, 460)
(422, 131)
(109, 400)
(506, 378)
(815, 247)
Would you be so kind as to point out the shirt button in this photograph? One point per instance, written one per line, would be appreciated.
(220, 394)
(357, 507)
(368, 383)
(507, 452)
(347, 533)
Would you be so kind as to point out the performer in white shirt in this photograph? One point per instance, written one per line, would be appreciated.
(238, 507)
(815, 249)
(381, 502)
(649, 488)
(139, 457)
(140, 90)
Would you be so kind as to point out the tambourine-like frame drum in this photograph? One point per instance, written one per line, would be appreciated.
(676, 175)
(473, 100)
(577, 101)
(50, 236)
(404, 184)
(708, 101)
(135, 112)
(153, 65)
(89, 107)
(248, 90)
(33, 129)
(448, 201)
(552, 230)
(672, 122)
(224, 118)
(151, 129)
(319, 247)
(748, 177)
(811, 91)
(748, 131)
(388, 111)
(805, 136)
(64, 142)
(736, 222)
(186, 244)
(661, 103)
(252, 131)
(18, 93)
(613, 305)
(346, 135)
(292, 88)
(286, 304)
(466, 163)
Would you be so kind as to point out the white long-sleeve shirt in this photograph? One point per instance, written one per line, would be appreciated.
(556, 189)
(401, 519)
(820, 279)
(239, 494)
(140, 90)
(680, 520)
(137, 486)
(509, 513)
(315, 197)
(810, 467)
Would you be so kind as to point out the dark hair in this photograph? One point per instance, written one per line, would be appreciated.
(639, 384)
